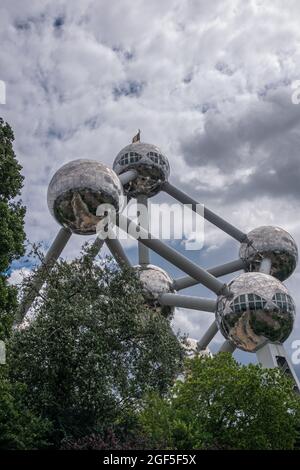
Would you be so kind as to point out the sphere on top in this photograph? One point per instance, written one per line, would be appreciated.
(274, 243)
(77, 189)
(151, 165)
(259, 310)
(155, 281)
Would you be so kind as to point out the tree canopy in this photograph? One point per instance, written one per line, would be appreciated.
(12, 234)
(224, 405)
(93, 348)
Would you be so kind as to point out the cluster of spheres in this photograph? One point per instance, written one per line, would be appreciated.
(259, 307)
(79, 187)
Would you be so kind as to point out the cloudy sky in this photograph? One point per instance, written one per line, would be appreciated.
(208, 82)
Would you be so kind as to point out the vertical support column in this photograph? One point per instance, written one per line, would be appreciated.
(117, 251)
(274, 355)
(144, 255)
(265, 266)
(58, 245)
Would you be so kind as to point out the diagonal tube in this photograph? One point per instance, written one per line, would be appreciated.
(217, 271)
(171, 255)
(38, 280)
(188, 301)
(208, 214)
(128, 176)
(227, 346)
(117, 251)
(208, 336)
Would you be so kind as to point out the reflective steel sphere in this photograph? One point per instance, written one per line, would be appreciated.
(77, 189)
(155, 281)
(260, 310)
(274, 243)
(151, 165)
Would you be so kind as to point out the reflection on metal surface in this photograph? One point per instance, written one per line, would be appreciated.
(155, 281)
(259, 310)
(273, 243)
(152, 167)
(77, 189)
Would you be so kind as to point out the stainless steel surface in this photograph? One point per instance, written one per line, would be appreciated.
(51, 257)
(177, 259)
(77, 189)
(227, 346)
(155, 282)
(273, 243)
(208, 335)
(217, 271)
(188, 301)
(260, 310)
(151, 165)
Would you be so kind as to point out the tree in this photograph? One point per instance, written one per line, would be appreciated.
(93, 348)
(12, 234)
(224, 405)
(19, 428)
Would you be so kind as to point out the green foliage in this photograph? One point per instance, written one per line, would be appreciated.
(11, 179)
(223, 405)
(11, 213)
(12, 222)
(19, 428)
(93, 350)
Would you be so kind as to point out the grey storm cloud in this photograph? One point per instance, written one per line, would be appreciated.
(264, 136)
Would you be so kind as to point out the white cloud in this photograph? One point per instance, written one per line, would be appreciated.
(18, 275)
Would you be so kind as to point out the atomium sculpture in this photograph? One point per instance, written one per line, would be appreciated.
(254, 312)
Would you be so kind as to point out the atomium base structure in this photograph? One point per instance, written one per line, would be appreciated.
(254, 312)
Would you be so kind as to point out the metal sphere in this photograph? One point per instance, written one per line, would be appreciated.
(259, 310)
(274, 243)
(77, 189)
(155, 281)
(151, 165)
